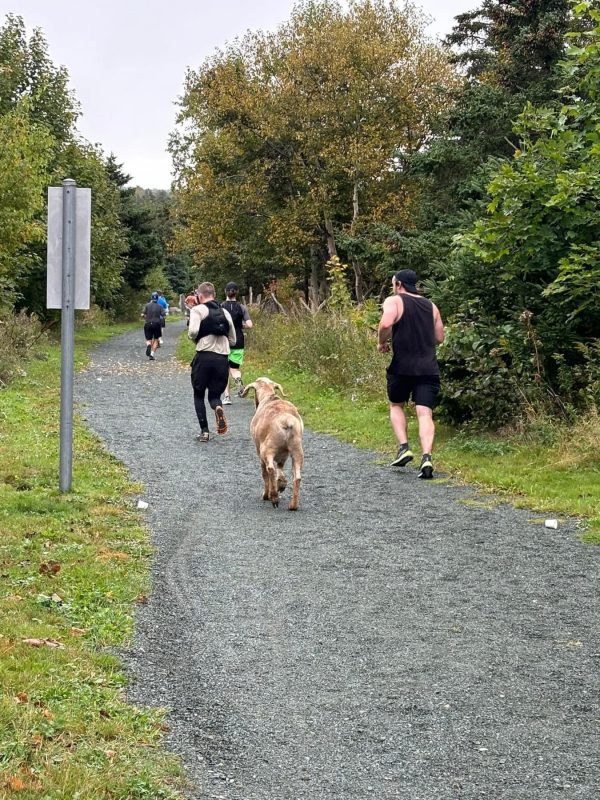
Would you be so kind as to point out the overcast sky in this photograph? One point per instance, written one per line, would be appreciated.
(127, 61)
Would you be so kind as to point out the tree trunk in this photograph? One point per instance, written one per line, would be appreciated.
(331, 248)
(313, 287)
(359, 284)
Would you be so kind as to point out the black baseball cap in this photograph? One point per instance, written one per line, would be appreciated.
(231, 287)
(408, 279)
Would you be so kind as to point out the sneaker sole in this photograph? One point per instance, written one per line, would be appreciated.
(426, 473)
(222, 426)
(402, 461)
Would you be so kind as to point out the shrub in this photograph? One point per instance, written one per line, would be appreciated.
(93, 317)
(329, 345)
(19, 335)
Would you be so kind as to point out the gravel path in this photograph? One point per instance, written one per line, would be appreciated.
(388, 640)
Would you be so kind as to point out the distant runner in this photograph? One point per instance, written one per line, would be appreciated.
(162, 300)
(415, 328)
(153, 314)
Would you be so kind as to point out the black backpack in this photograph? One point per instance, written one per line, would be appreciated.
(215, 323)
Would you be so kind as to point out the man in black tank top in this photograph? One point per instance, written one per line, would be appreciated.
(414, 326)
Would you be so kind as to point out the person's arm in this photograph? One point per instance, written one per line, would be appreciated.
(246, 321)
(232, 335)
(438, 325)
(196, 318)
(389, 317)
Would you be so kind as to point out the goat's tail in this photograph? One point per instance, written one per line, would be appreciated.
(290, 424)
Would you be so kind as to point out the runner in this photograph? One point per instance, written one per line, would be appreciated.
(415, 328)
(152, 313)
(241, 319)
(211, 327)
(162, 300)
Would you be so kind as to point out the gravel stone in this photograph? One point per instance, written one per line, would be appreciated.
(387, 640)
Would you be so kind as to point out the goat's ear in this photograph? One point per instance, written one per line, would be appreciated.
(280, 387)
(247, 389)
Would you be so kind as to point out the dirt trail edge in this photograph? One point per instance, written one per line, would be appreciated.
(385, 641)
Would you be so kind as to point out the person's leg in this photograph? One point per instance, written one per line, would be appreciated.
(398, 420)
(217, 377)
(425, 393)
(236, 359)
(148, 337)
(200, 409)
(398, 390)
(199, 385)
(226, 395)
(426, 428)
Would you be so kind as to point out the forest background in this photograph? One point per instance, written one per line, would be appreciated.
(312, 162)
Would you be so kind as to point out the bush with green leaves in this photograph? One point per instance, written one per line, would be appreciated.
(527, 273)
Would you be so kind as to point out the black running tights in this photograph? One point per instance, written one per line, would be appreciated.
(209, 371)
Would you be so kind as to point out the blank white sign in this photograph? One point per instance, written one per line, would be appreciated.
(83, 228)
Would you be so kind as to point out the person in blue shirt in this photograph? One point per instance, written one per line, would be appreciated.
(162, 301)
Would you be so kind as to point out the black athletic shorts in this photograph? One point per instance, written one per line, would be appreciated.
(152, 330)
(424, 389)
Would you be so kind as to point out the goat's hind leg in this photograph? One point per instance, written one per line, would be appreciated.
(297, 464)
(265, 477)
(271, 482)
(281, 479)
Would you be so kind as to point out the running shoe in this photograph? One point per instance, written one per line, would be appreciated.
(426, 468)
(152, 357)
(240, 386)
(226, 400)
(222, 426)
(403, 456)
(160, 341)
(203, 436)
(148, 350)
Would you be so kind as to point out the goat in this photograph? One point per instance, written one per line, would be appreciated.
(276, 429)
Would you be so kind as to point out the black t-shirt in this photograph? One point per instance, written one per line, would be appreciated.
(236, 310)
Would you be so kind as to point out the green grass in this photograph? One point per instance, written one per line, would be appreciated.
(71, 569)
(529, 471)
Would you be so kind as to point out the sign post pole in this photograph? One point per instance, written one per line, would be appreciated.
(67, 334)
(68, 288)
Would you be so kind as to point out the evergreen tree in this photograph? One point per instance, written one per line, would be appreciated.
(508, 52)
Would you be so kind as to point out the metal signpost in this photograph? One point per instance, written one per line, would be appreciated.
(69, 230)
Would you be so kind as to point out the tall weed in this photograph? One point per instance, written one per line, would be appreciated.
(20, 335)
(331, 346)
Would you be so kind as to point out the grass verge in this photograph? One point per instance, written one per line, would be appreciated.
(71, 569)
(551, 469)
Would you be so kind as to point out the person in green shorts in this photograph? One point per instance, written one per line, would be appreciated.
(241, 319)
